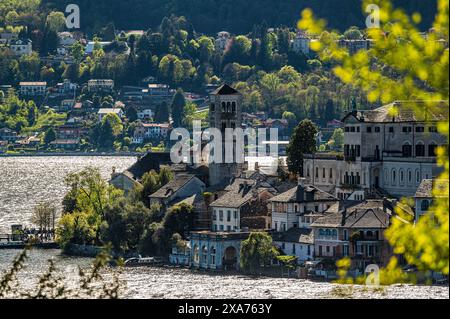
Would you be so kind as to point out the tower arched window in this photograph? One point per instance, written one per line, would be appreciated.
(409, 176)
(402, 176)
(233, 107)
(224, 106)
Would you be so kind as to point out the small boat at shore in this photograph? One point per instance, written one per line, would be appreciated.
(143, 262)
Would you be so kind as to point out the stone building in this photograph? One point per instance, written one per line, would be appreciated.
(388, 152)
(354, 230)
(225, 112)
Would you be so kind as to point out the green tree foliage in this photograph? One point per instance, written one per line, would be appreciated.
(256, 252)
(177, 108)
(162, 113)
(303, 141)
(386, 76)
(50, 136)
(337, 140)
(84, 207)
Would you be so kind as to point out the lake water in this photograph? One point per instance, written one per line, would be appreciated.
(26, 181)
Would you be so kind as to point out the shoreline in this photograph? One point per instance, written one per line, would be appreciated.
(73, 154)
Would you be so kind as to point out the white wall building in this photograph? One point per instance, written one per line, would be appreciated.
(32, 88)
(297, 207)
(384, 154)
(21, 47)
(301, 43)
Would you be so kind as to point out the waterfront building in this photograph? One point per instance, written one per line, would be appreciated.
(215, 250)
(429, 190)
(298, 242)
(354, 230)
(385, 153)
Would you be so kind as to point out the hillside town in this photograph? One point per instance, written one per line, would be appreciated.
(260, 149)
(341, 207)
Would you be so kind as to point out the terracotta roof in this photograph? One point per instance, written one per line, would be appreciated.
(300, 194)
(173, 186)
(240, 192)
(405, 111)
(368, 214)
(425, 189)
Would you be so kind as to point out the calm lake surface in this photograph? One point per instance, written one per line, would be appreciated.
(26, 181)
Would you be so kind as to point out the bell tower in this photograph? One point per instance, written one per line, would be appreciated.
(225, 111)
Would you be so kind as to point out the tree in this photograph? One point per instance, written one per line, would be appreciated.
(257, 251)
(303, 141)
(131, 113)
(178, 105)
(338, 138)
(422, 77)
(162, 113)
(115, 122)
(56, 21)
(50, 136)
(44, 216)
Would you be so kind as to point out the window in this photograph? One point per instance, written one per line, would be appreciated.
(331, 173)
(432, 150)
(347, 129)
(213, 255)
(417, 177)
(394, 177)
(213, 107)
(324, 173)
(407, 129)
(420, 129)
(420, 150)
(424, 206)
(317, 172)
(294, 250)
(402, 176)
(205, 255)
(391, 129)
(358, 129)
(214, 215)
(235, 214)
(229, 216)
(377, 129)
(432, 129)
(407, 150)
(345, 234)
(369, 130)
(409, 176)
(352, 129)
(221, 215)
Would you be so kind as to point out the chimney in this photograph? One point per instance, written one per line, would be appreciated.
(301, 182)
(344, 216)
(301, 190)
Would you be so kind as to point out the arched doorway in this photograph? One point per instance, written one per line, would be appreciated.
(230, 258)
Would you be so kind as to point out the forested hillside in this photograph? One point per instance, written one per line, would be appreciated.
(238, 16)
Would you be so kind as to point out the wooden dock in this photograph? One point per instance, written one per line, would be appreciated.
(11, 242)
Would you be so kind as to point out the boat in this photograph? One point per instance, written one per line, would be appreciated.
(143, 262)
